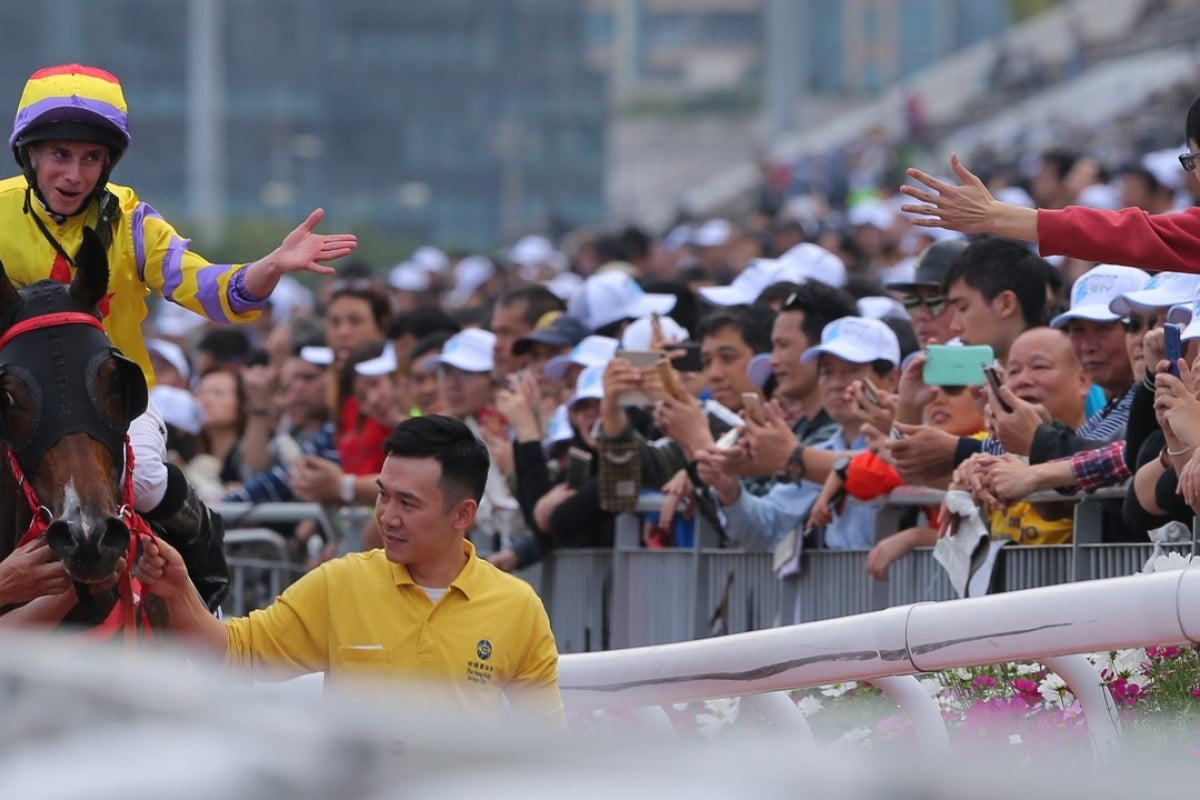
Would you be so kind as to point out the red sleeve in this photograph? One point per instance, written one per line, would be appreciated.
(869, 476)
(1129, 237)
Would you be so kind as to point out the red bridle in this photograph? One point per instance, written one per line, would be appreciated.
(126, 611)
(49, 321)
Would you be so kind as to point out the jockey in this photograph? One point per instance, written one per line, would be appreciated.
(71, 129)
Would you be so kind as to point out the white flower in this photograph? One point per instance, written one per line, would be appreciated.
(963, 674)
(808, 705)
(1028, 669)
(856, 738)
(1015, 738)
(838, 689)
(1172, 561)
(1054, 692)
(719, 714)
(1130, 663)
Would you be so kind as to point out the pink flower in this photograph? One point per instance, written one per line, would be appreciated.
(1196, 692)
(984, 681)
(1163, 652)
(1027, 689)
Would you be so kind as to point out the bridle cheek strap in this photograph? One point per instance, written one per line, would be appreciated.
(130, 596)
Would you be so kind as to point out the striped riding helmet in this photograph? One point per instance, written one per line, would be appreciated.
(72, 103)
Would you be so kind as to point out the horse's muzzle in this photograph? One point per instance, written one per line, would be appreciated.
(89, 548)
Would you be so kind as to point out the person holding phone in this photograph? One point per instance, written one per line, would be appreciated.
(1129, 236)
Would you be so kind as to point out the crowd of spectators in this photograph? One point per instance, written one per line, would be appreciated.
(767, 375)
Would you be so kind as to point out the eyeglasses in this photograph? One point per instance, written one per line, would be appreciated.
(952, 391)
(935, 304)
(1138, 324)
(1188, 161)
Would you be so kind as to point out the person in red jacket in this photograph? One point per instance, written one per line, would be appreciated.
(1130, 236)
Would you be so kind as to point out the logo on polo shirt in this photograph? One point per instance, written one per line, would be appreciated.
(480, 672)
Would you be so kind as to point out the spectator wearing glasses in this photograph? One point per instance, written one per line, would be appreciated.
(923, 298)
(996, 289)
(1129, 236)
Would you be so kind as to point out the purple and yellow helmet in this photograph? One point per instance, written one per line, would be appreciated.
(73, 103)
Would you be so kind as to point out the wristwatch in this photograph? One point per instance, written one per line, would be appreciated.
(795, 463)
(841, 466)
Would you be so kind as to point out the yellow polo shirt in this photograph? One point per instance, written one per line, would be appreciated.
(362, 616)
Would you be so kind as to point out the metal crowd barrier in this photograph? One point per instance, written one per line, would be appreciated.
(261, 563)
(633, 596)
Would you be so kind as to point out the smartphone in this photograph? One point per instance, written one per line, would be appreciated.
(870, 391)
(993, 378)
(956, 365)
(579, 467)
(1173, 347)
(690, 360)
(752, 405)
(641, 358)
(670, 379)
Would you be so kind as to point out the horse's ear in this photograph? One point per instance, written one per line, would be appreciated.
(91, 270)
(8, 292)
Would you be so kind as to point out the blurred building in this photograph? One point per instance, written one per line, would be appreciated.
(658, 47)
(464, 122)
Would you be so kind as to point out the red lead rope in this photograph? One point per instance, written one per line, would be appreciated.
(128, 608)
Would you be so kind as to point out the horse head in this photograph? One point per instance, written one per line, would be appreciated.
(67, 397)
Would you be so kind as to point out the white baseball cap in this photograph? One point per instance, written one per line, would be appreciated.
(713, 233)
(172, 354)
(750, 282)
(170, 319)
(817, 264)
(589, 385)
(469, 274)
(1188, 317)
(430, 259)
(876, 213)
(560, 428)
(859, 340)
(470, 350)
(317, 355)
(563, 285)
(408, 276)
(593, 351)
(879, 307)
(636, 335)
(1162, 290)
(1183, 313)
(608, 297)
(178, 407)
(383, 364)
(1095, 290)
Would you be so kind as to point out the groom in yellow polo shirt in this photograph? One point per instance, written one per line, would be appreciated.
(422, 607)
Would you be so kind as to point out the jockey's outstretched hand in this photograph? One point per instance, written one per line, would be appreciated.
(161, 569)
(302, 250)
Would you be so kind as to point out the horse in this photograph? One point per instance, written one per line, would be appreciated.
(67, 396)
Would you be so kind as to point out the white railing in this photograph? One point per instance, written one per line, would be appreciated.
(1052, 625)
